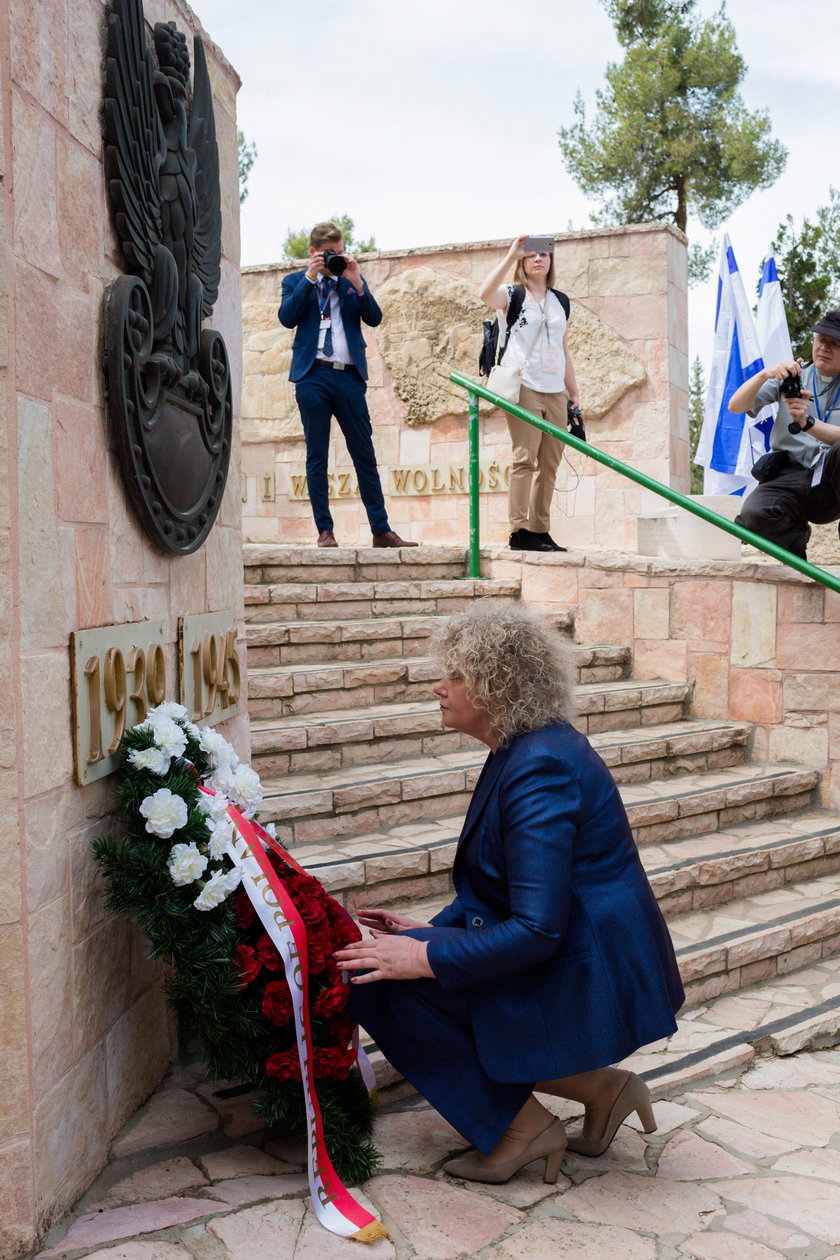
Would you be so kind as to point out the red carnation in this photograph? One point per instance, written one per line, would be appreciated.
(284, 1066)
(331, 1001)
(277, 1002)
(243, 910)
(320, 947)
(334, 1063)
(246, 963)
(344, 932)
(313, 913)
(267, 953)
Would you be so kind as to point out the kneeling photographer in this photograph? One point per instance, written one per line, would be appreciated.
(799, 478)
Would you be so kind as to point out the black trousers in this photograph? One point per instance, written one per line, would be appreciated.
(780, 510)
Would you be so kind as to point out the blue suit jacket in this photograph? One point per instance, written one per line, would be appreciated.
(555, 935)
(299, 309)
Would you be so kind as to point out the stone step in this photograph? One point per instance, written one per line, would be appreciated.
(352, 600)
(283, 690)
(341, 737)
(708, 869)
(269, 563)
(296, 642)
(378, 797)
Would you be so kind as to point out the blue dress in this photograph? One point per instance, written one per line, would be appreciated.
(553, 958)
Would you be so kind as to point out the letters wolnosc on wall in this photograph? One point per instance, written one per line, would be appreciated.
(412, 480)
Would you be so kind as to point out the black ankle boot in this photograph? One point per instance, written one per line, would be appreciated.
(549, 541)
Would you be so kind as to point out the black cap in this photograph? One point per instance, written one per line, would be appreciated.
(829, 325)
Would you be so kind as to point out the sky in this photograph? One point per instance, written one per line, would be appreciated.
(436, 121)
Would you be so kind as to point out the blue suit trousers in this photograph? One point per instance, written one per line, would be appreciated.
(322, 394)
(426, 1033)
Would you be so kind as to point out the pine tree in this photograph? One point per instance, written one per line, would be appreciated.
(671, 136)
(808, 263)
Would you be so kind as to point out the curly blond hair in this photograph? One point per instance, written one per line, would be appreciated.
(516, 667)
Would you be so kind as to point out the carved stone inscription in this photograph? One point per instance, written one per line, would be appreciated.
(413, 480)
(210, 685)
(118, 673)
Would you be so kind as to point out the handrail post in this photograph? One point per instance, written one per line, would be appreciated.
(475, 544)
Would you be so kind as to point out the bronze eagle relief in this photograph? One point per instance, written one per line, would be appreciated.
(168, 378)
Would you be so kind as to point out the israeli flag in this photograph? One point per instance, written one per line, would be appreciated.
(771, 322)
(725, 446)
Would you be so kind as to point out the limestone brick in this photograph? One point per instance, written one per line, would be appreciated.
(40, 570)
(48, 754)
(35, 182)
(754, 608)
(70, 1143)
(67, 321)
(138, 1048)
(15, 1101)
(38, 57)
(17, 1214)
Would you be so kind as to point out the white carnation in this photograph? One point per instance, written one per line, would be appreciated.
(220, 835)
(271, 828)
(154, 759)
(164, 812)
(245, 789)
(186, 863)
(169, 736)
(214, 805)
(169, 709)
(220, 752)
(219, 886)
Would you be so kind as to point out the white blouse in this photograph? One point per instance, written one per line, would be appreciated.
(548, 353)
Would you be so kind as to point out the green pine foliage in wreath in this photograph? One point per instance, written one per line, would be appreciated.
(170, 874)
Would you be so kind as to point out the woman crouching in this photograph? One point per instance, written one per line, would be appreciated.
(553, 961)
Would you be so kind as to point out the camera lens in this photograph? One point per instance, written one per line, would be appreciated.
(334, 263)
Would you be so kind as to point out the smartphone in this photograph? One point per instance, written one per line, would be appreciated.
(538, 245)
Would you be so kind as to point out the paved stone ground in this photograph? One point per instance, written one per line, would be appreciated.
(747, 1166)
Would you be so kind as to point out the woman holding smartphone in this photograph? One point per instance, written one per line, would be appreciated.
(538, 339)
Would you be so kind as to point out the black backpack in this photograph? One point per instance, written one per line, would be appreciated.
(490, 340)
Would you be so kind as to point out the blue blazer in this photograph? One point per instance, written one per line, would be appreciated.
(299, 309)
(554, 936)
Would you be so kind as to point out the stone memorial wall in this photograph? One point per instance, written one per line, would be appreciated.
(84, 1029)
(628, 336)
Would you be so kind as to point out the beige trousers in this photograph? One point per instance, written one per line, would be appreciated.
(536, 458)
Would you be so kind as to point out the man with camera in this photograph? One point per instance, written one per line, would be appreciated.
(799, 477)
(326, 304)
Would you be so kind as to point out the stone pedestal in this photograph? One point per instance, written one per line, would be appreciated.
(84, 1029)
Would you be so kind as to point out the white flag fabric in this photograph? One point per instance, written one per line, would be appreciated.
(725, 445)
(773, 332)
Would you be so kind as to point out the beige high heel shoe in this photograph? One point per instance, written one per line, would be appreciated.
(634, 1096)
(549, 1145)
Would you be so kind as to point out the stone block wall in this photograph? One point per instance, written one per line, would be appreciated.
(758, 642)
(84, 1030)
(628, 336)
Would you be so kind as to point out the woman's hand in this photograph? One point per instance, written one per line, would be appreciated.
(517, 246)
(386, 922)
(385, 957)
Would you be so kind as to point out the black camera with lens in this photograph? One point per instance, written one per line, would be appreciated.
(335, 264)
(790, 387)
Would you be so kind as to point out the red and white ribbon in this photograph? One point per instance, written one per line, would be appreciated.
(334, 1206)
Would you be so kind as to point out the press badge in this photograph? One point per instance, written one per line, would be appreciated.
(325, 322)
(550, 358)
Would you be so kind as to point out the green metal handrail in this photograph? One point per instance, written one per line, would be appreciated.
(475, 391)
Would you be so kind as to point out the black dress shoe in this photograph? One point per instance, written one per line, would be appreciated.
(552, 545)
(326, 538)
(527, 540)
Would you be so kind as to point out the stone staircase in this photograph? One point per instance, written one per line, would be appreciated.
(369, 791)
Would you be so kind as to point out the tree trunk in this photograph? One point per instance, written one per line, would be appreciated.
(682, 206)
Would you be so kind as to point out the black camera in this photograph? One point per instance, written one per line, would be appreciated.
(790, 387)
(574, 422)
(335, 264)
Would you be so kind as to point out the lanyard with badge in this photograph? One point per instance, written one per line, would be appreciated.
(817, 467)
(325, 319)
